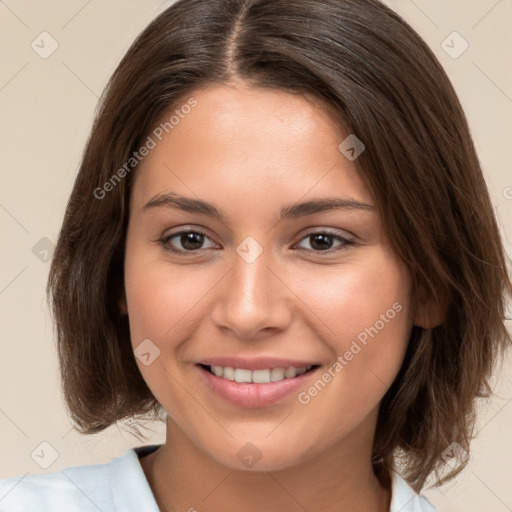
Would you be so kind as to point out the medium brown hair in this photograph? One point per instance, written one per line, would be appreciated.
(363, 61)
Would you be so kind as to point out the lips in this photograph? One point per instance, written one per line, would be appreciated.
(253, 383)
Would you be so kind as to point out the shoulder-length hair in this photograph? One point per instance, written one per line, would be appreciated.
(372, 69)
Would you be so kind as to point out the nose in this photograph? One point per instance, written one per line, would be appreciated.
(253, 302)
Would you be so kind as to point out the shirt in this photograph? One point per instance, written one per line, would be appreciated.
(121, 486)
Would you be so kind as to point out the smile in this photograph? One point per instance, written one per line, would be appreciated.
(256, 376)
(255, 388)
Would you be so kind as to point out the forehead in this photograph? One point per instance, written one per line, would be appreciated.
(250, 143)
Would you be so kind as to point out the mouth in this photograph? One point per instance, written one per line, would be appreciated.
(262, 376)
(258, 388)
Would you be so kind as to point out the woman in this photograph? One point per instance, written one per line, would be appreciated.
(280, 236)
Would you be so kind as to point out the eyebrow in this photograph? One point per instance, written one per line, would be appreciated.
(292, 211)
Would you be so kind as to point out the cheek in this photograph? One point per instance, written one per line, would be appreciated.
(366, 306)
(163, 306)
(164, 300)
(344, 300)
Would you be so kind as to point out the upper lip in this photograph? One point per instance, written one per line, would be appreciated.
(255, 363)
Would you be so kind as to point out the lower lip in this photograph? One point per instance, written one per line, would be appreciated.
(251, 395)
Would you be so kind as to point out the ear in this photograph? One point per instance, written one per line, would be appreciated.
(430, 312)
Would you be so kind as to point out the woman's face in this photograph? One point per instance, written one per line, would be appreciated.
(270, 285)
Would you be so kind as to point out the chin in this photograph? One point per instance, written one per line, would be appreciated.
(258, 456)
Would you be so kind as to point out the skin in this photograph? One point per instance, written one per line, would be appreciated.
(252, 151)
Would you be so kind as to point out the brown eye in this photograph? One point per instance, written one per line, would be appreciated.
(323, 241)
(189, 240)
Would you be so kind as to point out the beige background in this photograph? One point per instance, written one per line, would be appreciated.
(47, 107)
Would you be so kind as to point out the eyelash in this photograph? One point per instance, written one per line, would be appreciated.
(164, 242)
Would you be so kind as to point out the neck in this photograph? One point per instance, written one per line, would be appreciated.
(182, 477)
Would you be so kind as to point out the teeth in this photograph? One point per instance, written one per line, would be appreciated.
(229, 373)
(276, 374)
(290, 372)
(242, 375)
(258, 376)
(217, 370)
(261, 376)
